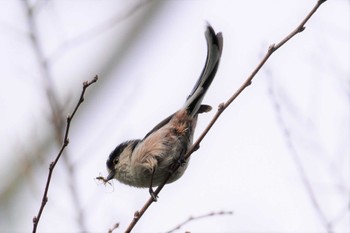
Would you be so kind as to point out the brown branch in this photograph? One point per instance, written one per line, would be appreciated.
(222, 107)
(57, 118)
(115, 226)
(190, 219)
(36, 218)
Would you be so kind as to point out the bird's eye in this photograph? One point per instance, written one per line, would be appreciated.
(115, 161)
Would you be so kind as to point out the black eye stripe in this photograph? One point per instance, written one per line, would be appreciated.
(114, 156)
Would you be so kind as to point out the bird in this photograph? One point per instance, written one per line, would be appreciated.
(146, 162)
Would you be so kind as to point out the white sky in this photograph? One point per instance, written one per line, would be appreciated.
(148, 63)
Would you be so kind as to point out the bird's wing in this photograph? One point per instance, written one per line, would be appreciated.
(160, 125)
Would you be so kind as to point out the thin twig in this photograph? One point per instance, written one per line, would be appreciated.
(57, 118)
(36, 218)
(190, 219)
(272, 48)
(115, 226)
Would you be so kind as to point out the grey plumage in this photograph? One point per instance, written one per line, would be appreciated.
(147, 162)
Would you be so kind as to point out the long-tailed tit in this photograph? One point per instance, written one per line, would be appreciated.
(146, 162)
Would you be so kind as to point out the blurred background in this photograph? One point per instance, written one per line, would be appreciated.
(279, 156)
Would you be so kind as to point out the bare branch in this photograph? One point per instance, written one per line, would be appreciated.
(190, 219)
(36, 218)
(222, 107)
(115, 226)
(56, 108)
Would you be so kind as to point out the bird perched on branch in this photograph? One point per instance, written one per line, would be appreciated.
(146, 162)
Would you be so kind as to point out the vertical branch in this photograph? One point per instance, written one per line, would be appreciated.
(36, 219)
(57, 118)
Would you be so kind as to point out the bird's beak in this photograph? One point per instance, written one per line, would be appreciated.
(110, 175)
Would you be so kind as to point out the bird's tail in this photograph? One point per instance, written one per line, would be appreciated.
(214, 47)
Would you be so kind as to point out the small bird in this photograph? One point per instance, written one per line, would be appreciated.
(146, 163)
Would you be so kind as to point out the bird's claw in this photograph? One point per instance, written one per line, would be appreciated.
(153, 194)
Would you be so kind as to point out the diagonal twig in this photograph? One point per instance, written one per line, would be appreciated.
(223, 106)
(190, 219)
(36, 218)
(56, 114)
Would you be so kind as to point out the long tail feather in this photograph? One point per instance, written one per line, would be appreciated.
(214, 47)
